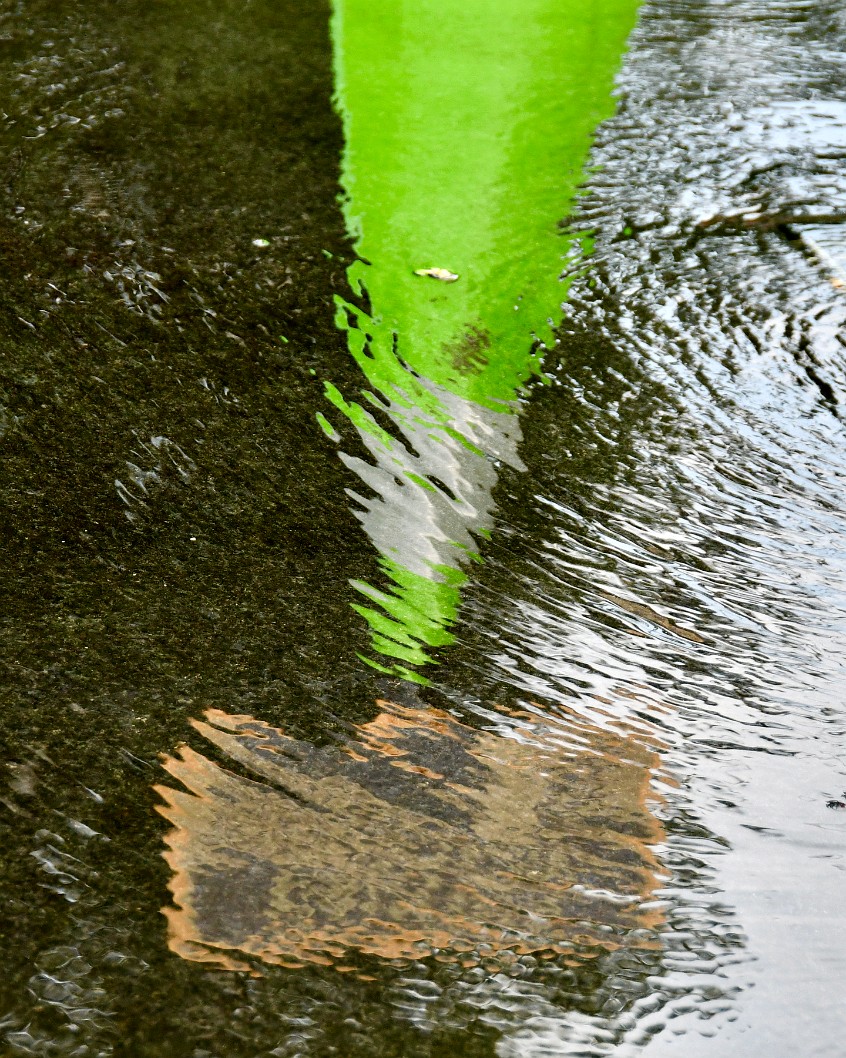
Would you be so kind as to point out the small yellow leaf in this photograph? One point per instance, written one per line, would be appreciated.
(443, 274)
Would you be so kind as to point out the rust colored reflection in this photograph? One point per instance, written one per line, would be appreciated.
(416, 835)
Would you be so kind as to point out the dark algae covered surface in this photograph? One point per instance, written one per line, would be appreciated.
(409, 666)
(169, 542)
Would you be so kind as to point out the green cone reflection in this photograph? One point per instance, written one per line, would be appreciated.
(467, 128)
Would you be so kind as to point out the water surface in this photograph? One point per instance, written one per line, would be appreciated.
(646, 665)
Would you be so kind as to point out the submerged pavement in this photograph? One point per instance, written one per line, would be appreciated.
(645, 673)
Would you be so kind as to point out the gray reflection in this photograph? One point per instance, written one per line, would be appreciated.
(456, 441)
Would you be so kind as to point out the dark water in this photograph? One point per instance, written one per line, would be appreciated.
(645, 692)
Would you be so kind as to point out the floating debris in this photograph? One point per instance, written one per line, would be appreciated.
(443, 274)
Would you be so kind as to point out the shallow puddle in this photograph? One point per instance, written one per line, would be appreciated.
(514, 731)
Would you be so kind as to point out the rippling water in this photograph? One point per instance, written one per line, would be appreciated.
(698, 399)
(610, 824)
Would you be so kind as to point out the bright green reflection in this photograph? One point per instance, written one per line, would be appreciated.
(467, 127)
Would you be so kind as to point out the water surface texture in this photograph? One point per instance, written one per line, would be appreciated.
(609, 824)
